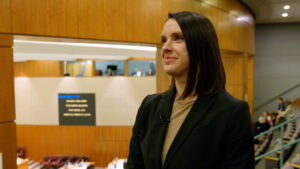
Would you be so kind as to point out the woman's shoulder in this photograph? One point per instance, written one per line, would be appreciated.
(225, 97)
(151, 99)
(226, 101)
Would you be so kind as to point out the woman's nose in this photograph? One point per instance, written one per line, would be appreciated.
(166, 46)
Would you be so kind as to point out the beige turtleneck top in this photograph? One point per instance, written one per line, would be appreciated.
(179, 112)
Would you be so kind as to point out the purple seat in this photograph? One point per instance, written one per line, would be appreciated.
(74, 159)
(85, 158)
(54, 162)
(46, 161)
(63, 161)
(296, 160)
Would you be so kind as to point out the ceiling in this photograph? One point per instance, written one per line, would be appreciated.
(270, 11)
(46, 48)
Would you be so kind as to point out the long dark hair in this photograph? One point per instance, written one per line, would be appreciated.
(206, 72)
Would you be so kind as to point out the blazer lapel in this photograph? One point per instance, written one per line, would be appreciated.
(198, 110)
(158, 130)
(164, 110)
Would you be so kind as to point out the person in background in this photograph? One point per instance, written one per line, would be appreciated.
(136, 72)
(110, 72)
(281, 106)
(268, 118)
(98, 72)
(273, 117)
(261, 126)
(149, 72)
(67, 74)
(196, 123)
(287, 113)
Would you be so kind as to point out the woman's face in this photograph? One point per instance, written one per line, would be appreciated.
(174, 52)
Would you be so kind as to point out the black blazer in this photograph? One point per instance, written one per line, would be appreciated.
(216, 134)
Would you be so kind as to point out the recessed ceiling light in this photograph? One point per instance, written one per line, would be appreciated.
(286, 7)
(284, 14)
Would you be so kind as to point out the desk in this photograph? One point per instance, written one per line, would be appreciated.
(117, 164)
(81, 165)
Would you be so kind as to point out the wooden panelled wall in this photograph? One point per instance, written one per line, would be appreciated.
(7, 106)
(38, 69)
(123, 20)
(115, 20)
(101, 143)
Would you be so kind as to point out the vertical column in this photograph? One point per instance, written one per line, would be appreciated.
(126, 69)
(250, 82)
(93, 67)
(7, 104)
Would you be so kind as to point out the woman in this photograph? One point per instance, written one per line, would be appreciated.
(196, 124)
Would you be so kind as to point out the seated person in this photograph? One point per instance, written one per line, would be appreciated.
(289, 111)
(281, 106)
(98, 72)
(268, 117)
(149, 72)
(261, 126)
(110, 72)
(283, 115)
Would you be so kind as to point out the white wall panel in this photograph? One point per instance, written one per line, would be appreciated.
(117, 98)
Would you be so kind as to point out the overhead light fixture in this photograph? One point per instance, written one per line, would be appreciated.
(243, 19)
(128, 47)
(284, 15)
(286, 7)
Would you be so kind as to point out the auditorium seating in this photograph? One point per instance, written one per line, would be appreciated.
(292, 132)
(263, 144)
(294, 164)
(64, 160)
(57, 161)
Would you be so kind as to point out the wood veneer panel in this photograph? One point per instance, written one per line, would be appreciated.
(101, 143)
(231, 6)
(6, 40)
(45, 17)
(144, 20)
(250, 82)
(38, 69)
(8, 145)
(177, 5)
(234, 65)
(5, 19)
(7, 112)
(102, 19)
(236, 90)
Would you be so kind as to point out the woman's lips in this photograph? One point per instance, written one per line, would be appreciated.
(168, 59)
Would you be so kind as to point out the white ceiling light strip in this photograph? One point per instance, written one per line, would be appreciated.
(129, 47)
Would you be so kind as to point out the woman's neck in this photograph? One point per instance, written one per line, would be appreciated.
(180, 84)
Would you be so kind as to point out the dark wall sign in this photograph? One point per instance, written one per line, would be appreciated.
(76, 109)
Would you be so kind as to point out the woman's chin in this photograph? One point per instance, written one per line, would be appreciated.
(171, 72)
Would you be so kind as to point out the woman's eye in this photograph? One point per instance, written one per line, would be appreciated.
(163, 40)
(179, 37)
